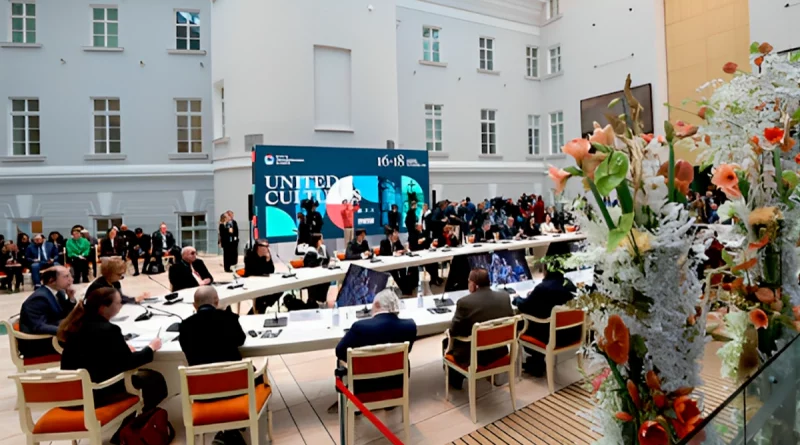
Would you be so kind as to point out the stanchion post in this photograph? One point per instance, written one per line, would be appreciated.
(341, 373)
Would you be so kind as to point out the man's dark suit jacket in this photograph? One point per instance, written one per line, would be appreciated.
(158, 248)
(381, 329)
(41, 313)
(414, 236)
(411, 219)
(142, 242)
(388, 248)
(211, 336)
(508, 232)
(181, 276)
(107, 250)
(100, 348)
(551, 292)
(101, 282)
(257, 266)
(481, 235)
(355, 249)
(32, 252)
(482, 305)
(128, 238)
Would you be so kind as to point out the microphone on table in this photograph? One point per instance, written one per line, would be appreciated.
(159, 283)
(375, 259)
(289, 274)
(443, 302)
(236, 284)
(146, 315)
(173, 327)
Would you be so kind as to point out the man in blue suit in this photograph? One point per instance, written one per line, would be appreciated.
(44, 310)
(40, 255)
(384, 327)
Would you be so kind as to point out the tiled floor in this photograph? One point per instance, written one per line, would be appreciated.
(304, 389)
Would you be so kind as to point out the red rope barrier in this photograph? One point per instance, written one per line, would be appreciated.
(367, 413)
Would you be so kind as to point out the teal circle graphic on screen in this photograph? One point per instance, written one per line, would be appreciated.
(279, 223)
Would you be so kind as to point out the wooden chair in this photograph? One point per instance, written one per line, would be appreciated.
(59, 393)
(375, 362)
(28, 364)
(487, 335)
(561, 318)
(224, 396)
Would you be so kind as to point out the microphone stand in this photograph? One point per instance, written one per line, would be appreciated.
(175, 327)
(277, 322)
(291, 273)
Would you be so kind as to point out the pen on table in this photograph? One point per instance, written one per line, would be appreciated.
(158, 335)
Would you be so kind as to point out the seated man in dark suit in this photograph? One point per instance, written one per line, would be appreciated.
(358, 248)
(44, 310)
(112, 244)
(509, 231)
(485, 232)
(163, 243)
(405, 278)
(482, 304)
(384, 327)
(210, 335)
(40, 255)
(417, 241)
(139, 246)
(554, 290)
(189, 271)
(258, 263)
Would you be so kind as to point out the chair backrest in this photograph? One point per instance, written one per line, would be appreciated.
(44, 390)
(216, 380)
(240, 272)
(15, 335)
(494, 333)
(371, 362)
(561, 317)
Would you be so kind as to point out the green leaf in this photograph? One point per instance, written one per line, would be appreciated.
(613, 103)
(669, 131)
(601, 148)
(727, 258)
(574, 171)
(623, 228)
(795, 57)
(791, 178)
(611, 172)
(796, 115)
(754, 48)
(625, 198)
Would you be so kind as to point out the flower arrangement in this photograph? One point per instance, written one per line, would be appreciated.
(750, 123)
(647, 308)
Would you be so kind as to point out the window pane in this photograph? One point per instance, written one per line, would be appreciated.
(429, 146)
(99, 121)
(181, 44)
(99, 105)
(100, 147)
(438, 135)
(17, 37)
(438, 146)
(113, 14)
(99, 134)
(426, 32)
(197, 121)
(182, 105)
(99, 13)
(99, 28)
(113, 29)
(195, 105)
(18, 135)
(197, 135)
(30, 9)
(436, 57)
(16, 24)
(438, 123)
(181, 32)
(33, 147)
(113, 104)
(435, 33)
(428, 124)
(197, 147)
(30, 37)
(19, 121)
(98, 41)
(17, 105)
(183, 121)
(183, 135)
(489, 43)
(16, 8)
(429, 135)
(114, 134)
(183, 147)
(19, 148)
(30, 24)
(186, 220)
(194, 45)
(33, 121)
(113, 42)
(114, 121)
(115, 147)
(33, 135)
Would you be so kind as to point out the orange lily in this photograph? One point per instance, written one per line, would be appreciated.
(745, 266)
(761, 243)
(759, 318)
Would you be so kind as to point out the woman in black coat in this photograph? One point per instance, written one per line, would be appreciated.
(317, 255)
(93, 343)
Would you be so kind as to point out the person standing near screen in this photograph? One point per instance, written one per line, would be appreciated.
(348, 211)
(394, 218)
(411, 216)
(315, 219)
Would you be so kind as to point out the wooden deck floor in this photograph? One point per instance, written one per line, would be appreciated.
(565, 418)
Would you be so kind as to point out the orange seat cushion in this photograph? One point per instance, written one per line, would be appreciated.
(50, 358)
(340, 256)
(231, 409)
(504, 361)
(532, 340)
(63, 420)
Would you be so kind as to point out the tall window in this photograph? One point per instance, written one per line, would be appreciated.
(106, 117)
(105, 27)
(555, 60)
(430, 44)
(433, 127)
(222, 105)
(556, 131)
(486, 53)
(552, 9)
(25, 127)
(532, 61)
(488, 143)
(194, 231)
(190, 125)
(102, 224)
(533, 135)
(23, 22)
(187, 30)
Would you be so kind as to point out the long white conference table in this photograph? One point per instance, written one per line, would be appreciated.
(313, 329)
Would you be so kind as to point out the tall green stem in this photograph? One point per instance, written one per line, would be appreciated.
(776, 159)
(671, 178)
(601, 204)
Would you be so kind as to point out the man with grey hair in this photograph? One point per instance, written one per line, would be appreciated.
(210, 335)
(384, 327)
(189, 271)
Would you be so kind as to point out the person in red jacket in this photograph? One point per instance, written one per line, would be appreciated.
(538, 210)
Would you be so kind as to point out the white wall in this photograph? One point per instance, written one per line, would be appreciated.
(771, 21)
(264, 53)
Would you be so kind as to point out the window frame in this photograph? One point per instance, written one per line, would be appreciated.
(188, 27)
(106, 113)
(489, 147)
(105, 23)
(486, 63)
(194, 228)
(534, 135)
(431, 41)
(433, 117)
(27, 129)
(559, 132)
(531, 61)
(557, 58)
(110, 222)
(189, 128)
(549, 6)
(25, 17)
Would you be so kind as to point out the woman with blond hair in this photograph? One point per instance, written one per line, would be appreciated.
(112, 271)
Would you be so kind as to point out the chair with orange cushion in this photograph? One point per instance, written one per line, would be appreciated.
(28, 364)
(224, 396)
(67, 399)
(376, 251)
(561, 318)
(340, 256)
(375, 362)
(487, 335)
(297, 263)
